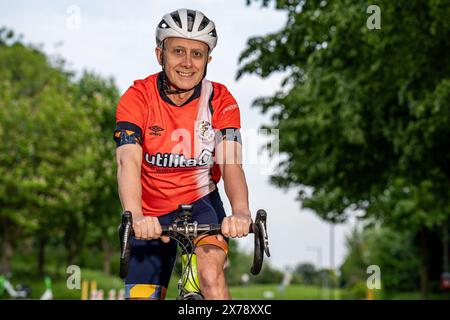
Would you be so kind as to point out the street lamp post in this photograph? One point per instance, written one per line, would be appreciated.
(332, 266)
(318, 250)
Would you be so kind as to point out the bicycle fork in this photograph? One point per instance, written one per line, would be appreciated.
(189, 285)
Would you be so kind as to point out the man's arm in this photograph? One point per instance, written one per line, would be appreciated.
(229, 157)
(129, 160)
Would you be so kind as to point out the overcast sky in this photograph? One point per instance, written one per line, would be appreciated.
(116, 38)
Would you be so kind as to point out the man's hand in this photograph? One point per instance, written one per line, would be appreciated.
(236, 225)
(147, 228)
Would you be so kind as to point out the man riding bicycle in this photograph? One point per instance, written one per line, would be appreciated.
(177, 134)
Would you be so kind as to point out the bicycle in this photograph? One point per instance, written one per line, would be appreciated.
(184, 232)
(20, 291)
(48, 293)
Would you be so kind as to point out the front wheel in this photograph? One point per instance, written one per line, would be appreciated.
(191, 296)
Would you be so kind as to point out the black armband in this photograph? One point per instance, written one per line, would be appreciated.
(127, 133)
(229, 134)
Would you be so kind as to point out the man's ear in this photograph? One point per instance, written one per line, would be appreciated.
(158, 52)
(209, 59)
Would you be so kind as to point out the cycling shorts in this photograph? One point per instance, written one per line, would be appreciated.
(152, 261)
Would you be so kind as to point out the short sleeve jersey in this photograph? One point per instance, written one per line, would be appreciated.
(178, 142)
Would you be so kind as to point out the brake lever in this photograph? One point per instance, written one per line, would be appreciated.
(262, 221)
(265, 238)
(125, 233)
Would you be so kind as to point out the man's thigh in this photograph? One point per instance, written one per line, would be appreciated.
(150, 268)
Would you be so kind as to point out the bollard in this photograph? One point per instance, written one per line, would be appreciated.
(112, 294)
(93, 290)
(370, 295)
(121, 294)
(85, 290)
(99, 295)
(90, 291)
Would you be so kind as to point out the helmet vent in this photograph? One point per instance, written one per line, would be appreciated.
(213, 33)
(190, 18)
(163, 25)
(176, 18)
(203, 24)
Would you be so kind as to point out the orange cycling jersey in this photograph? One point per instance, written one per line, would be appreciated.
(178, 142)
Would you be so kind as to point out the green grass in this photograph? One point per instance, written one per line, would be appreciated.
(251, 292)
(272, 292)
(107, 282)
(59, 285)
(267, 291)
(412, 296)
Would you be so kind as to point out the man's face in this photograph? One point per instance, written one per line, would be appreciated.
(185, 61)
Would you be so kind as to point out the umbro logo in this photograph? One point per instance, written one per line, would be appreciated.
(155, 130)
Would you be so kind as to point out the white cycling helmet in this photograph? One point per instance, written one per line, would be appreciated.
(188, 24)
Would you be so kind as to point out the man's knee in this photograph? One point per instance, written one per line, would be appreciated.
(211, 261)
(211, 275)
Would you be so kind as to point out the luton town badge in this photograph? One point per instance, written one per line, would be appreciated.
(205, 131)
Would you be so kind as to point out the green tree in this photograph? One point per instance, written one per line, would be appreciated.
(363, 114)
(355, 263)
(393, 251)
(99, 97)
(57, 161)
(307, 273)
(27, 79)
